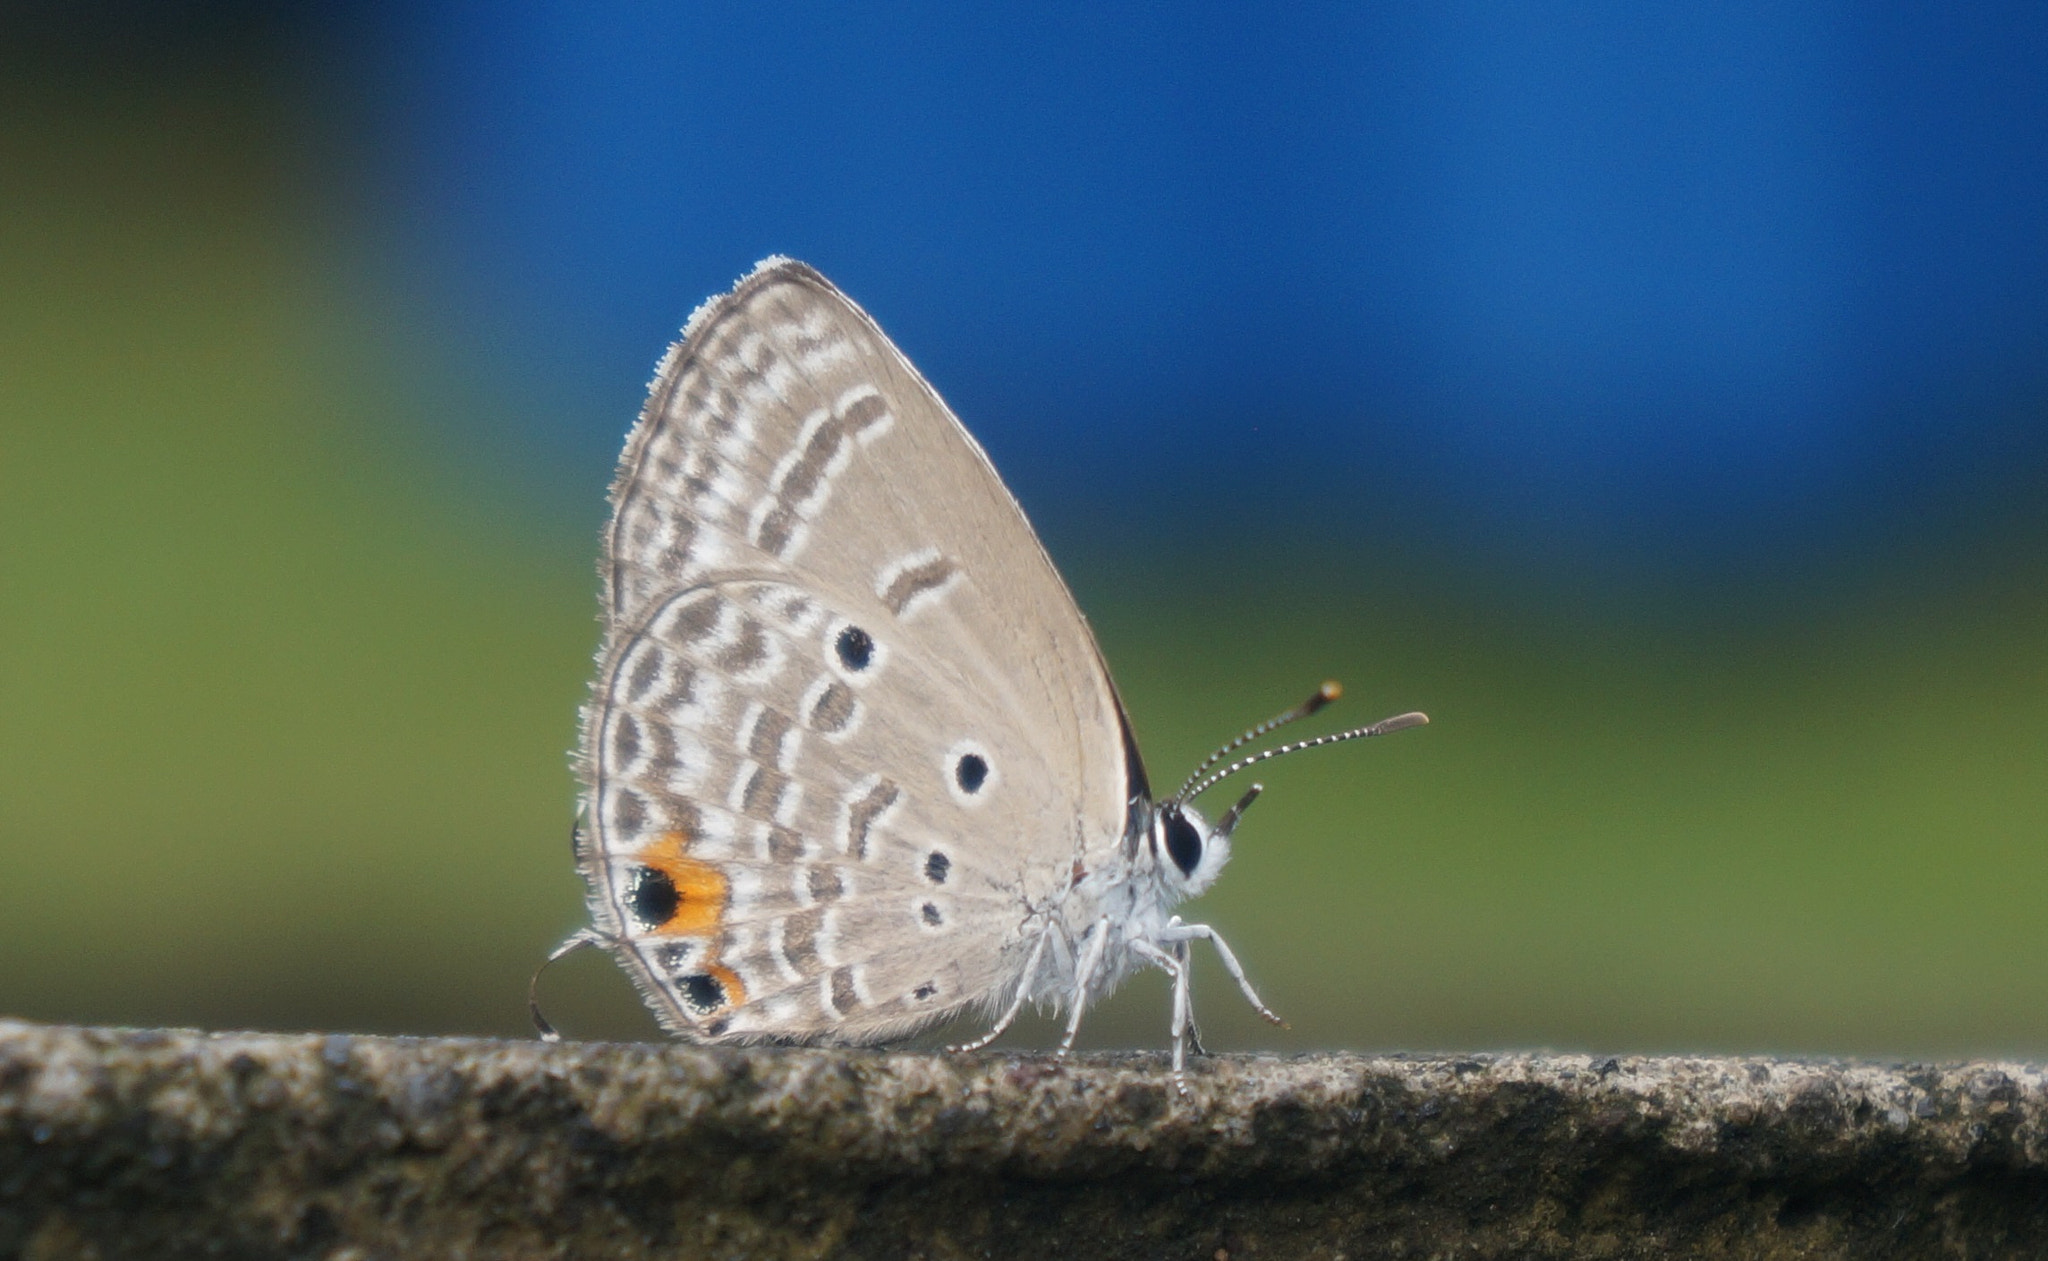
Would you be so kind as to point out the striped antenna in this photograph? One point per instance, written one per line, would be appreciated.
(1323, 695)
(1380, 728)
(1228, 823)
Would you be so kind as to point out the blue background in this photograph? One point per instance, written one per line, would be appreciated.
(1733, 287)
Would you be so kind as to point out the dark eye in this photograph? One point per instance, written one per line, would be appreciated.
(1183, 842)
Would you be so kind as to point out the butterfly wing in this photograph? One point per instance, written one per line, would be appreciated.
(848, 725)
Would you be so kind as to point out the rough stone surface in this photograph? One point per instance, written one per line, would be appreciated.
(170, 1144)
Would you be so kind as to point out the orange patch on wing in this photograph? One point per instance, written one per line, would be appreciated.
(735, 989)
(701, 891)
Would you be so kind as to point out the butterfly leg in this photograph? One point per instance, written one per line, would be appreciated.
(1024, 983)
(1178, 931)
(1098, 941)
(1183, 1007)
(577, 940)
(1186, 959)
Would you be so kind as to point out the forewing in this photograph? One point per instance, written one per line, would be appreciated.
(849, 724)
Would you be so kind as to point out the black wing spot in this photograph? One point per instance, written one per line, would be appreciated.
(936, 866)
(1183, 842)
(856, 648)
(703, 992)
(653, 897)
(924, 991)
(971, 772)
(932, 916)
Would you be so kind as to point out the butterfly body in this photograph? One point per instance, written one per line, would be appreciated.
(1126, 900)
(852, 762)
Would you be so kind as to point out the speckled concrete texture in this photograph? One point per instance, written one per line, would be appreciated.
(173, 1144)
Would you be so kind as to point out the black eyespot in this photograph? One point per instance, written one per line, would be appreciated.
(653, 897)
(703, 992)
(1183, 842)
(971, 772)
(932, 916)
(936, 867)
(856, 648)
(924, 991)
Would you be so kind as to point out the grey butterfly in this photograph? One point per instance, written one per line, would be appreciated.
(852, 761)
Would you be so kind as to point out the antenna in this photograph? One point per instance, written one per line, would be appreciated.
(1228, 823)
(1380, 728)
(1323, 695)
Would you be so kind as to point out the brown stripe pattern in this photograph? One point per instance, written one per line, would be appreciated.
(800, 941)
(801, 490)
(833, 709)
(918, 580)
(825, 884)
(761, 798)
(862, 815)
(748, 650)
(844, 998)
(765, 744)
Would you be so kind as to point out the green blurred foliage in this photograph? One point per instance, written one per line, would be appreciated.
(286, 693)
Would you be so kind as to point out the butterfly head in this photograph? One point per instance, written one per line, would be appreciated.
(1189, 850)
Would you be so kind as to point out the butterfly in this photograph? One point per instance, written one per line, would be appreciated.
(852, 763)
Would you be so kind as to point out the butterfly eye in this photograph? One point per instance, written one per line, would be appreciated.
(1183, 842)
(856, 648)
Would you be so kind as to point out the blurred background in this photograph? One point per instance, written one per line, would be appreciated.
(1657, 397)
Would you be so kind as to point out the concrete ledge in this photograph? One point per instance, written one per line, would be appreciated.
(169, 1144)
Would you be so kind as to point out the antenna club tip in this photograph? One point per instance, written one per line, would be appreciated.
(1329, 691)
